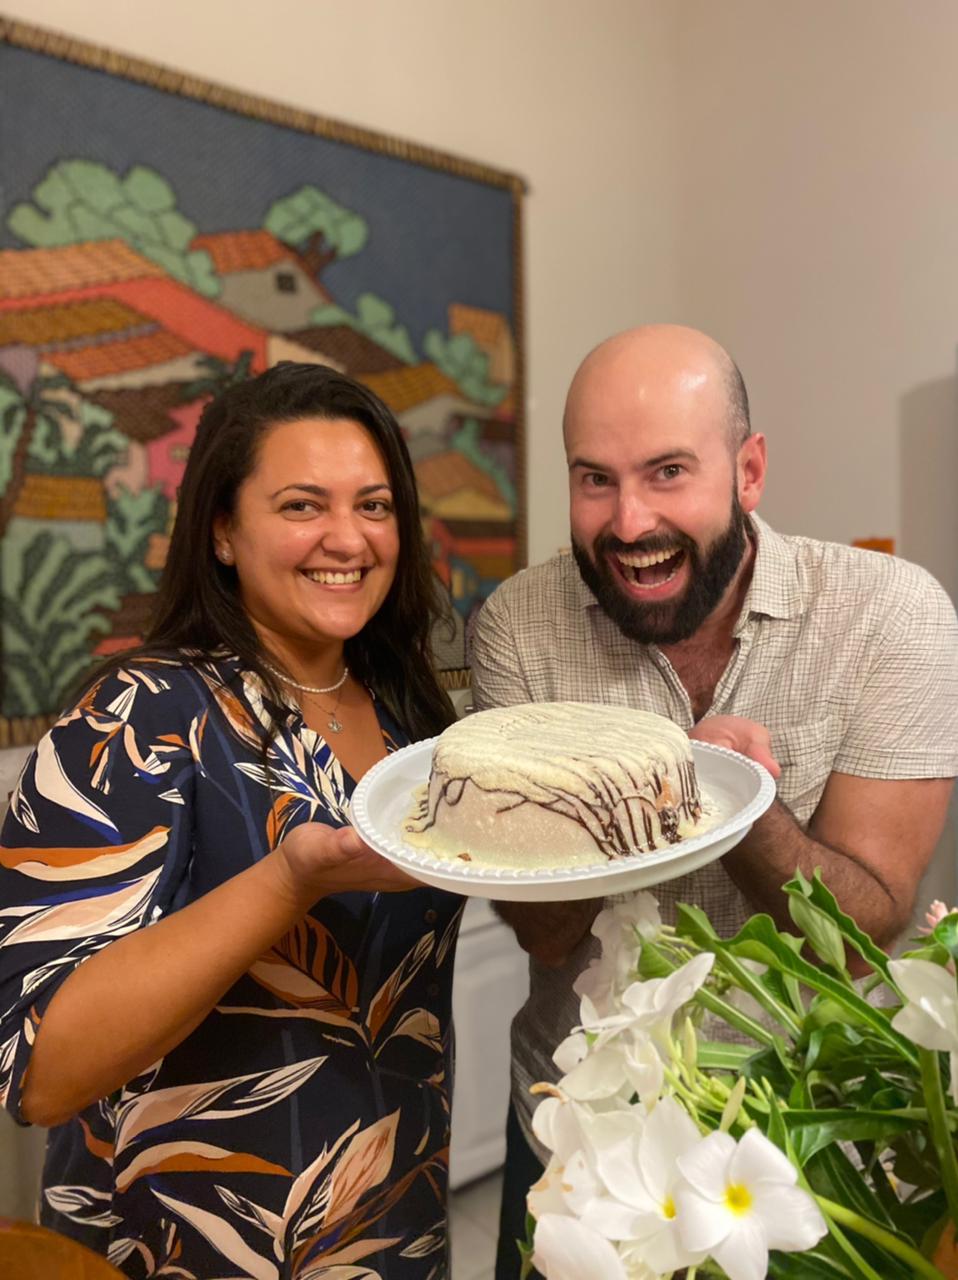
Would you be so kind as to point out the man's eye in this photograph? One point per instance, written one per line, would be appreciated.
(671, 471)
(596, 479)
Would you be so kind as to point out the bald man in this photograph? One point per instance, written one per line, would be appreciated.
(838, 665)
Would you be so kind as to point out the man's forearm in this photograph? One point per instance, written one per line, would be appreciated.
(550, 931)
(777, 846)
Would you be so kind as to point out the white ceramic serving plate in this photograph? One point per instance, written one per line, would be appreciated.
(737, 789)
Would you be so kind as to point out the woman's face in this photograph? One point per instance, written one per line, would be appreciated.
(313, 534)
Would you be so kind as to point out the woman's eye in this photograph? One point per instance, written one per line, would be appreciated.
(377, 507)
(299, 506)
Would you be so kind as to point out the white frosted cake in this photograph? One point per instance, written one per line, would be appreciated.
(556, 784)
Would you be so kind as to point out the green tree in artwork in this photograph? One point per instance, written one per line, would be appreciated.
(376, 319)
(217, 375)
(462, 360)
(55, 601)
(79, 200)
(467, 440)
(132, 519)
(319, 229)
(29, 421)
(91, 449)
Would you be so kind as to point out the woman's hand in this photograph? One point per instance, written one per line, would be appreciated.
(746, 737)
(315, 860)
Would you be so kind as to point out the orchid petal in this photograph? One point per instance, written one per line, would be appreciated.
(566, 1249)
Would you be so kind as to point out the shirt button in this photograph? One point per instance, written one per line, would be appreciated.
(431, 916)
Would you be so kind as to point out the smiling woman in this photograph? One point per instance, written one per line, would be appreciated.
(258, 1082)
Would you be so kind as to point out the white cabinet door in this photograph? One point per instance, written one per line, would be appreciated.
(491, 982)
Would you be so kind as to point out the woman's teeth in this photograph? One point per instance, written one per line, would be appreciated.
(333, 579)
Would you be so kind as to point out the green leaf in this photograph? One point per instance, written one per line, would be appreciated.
(945, 933)
(148, 190)
(815, 891)
(813, 1130)
(824, 936)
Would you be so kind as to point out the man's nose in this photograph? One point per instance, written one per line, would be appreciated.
(634, 518)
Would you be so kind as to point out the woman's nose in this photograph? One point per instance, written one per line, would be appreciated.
(343, 535)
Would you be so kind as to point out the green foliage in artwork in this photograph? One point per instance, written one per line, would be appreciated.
(42, 404)
(376, 319)
(217, 375)
(310, 214)
(132, 519)
(55, 601)
(462, 360)
(467, 441)
(80, 200)
(91, 450)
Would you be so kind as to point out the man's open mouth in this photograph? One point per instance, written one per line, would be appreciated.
(653, 569)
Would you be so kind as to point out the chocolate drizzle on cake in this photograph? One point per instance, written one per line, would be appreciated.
(518, 783)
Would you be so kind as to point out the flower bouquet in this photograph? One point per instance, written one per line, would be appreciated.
(741, 1108)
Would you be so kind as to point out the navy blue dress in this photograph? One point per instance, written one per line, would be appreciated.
(302, 1130)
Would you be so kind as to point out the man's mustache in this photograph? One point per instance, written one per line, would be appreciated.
(607, 542)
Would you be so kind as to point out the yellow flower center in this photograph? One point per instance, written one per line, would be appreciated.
(738, 1198)
(668, 1207)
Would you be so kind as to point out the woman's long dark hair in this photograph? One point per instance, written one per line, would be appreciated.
(198, 604)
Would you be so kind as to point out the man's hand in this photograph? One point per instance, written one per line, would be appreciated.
(738, 734)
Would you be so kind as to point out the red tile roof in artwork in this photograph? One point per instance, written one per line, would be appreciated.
(26, 273)
(67, 322)
(443, 473)
(411, 385)
(103, 359)
(242, 250)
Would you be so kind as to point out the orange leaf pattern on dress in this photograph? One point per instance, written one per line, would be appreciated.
(301, 1131)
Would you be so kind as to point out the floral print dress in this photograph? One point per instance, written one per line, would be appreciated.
(302, 1130)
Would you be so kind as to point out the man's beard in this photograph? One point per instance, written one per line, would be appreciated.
(673, 620)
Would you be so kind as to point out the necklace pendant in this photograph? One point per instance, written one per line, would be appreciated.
(335, 725)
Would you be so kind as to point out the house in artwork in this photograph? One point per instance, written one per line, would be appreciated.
(345, 348)
(263, 279)
(491, 333)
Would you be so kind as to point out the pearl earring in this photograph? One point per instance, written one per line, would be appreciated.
(224, 555)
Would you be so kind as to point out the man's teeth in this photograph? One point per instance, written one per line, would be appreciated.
(644, 562)
(333, 579)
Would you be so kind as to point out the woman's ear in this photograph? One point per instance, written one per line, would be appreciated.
(222, 544)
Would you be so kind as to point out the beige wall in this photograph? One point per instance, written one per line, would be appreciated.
(572, 97)
(817, 230)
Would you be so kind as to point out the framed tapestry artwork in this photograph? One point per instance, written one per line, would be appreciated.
(161, 237)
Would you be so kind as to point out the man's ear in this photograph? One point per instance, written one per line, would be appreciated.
(750, 465)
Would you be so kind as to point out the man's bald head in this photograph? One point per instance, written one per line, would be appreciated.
(662, 363)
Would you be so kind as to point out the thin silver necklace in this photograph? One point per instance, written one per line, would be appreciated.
(306, 688)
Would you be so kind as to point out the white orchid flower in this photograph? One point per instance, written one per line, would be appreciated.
(929, 1016)
(566, 1249)
(636, 1161)
(621, 930)
(740, 1200)
(655, 1002)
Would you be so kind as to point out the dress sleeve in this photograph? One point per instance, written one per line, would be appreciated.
(906, 721)
(497, 676)
(96, 840)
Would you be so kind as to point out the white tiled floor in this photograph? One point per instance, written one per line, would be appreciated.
(473, 1227)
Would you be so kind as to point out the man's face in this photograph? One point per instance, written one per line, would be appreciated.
(658, 531)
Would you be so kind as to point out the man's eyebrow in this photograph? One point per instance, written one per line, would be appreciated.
(319, 492)
(689, 455)
(589, 466)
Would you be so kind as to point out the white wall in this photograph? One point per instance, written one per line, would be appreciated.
(572, 97)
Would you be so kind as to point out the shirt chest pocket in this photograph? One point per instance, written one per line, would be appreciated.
(806, 754)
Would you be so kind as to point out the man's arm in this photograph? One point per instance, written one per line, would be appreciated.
(872, 839)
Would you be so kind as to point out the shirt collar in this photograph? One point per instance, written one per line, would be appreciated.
(775, 590)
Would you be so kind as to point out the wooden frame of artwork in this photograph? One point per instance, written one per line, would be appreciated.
(161, 235)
